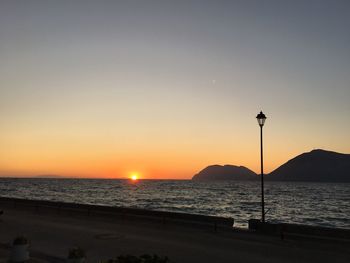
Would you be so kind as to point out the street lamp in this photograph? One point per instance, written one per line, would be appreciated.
(261, 120)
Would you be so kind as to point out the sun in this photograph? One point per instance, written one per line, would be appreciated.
(134, 176)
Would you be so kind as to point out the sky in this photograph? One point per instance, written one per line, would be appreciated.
(165, 88)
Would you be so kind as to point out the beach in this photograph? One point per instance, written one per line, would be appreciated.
(52, 233)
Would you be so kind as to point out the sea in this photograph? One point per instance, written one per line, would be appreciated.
(318, 204)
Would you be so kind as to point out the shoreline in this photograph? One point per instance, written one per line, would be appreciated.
(166, 217)
(123, 213)
(142, 213)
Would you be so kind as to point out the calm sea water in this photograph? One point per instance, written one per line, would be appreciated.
(323, 204)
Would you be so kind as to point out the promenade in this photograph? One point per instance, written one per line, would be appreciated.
(51, 235)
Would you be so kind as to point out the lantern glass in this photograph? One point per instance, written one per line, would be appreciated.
(261, 118)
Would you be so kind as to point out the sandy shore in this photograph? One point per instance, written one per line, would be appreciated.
(104, 237)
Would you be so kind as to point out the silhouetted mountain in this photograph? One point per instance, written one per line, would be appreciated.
(314, 166)
(226, 172)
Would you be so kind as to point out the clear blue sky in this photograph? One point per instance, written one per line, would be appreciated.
(103, 88)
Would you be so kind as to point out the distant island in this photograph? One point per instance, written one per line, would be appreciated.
(225, 172)
(315, 166)
(49, 176)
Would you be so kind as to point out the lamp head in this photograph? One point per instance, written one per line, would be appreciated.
(261, 118)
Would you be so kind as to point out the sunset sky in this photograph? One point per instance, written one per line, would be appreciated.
(166, 88)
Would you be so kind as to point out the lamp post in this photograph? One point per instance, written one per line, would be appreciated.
(261, 120)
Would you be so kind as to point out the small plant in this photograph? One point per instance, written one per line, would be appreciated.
(19, 249)
(76, 253)
(142, 259)
(20, 240)
(154, 259)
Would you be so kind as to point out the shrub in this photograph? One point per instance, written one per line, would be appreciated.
(76, 252)
(20, 240)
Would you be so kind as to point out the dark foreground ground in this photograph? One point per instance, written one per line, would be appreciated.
(104, 237)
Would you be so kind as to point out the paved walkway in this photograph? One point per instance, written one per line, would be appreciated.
(52, 234)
